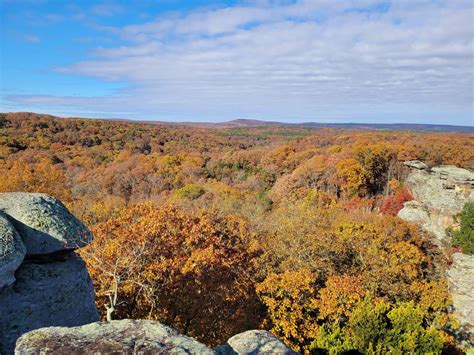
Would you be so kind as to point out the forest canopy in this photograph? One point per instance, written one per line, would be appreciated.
(217, 230)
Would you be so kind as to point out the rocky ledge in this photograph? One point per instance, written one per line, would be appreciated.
(440, 193)
(139, 337)
(42, 281)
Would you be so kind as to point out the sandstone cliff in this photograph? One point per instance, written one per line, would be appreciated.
(440, 193)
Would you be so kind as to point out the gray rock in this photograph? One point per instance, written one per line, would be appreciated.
(416, 164)
(51, 294)
(119, 337)
(44, 223)
(413, 211)
(461, 286)
(457, 174)
(254, 342)
(430, 221)
(440, 195)
(12, 251)
(432, 191)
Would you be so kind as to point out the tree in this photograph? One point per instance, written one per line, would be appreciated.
(339, 296)
(464, 237)
(188, 270)
(349, 172)
(377, 327)
(393, 203)
(291, 306)
(39, 176)
(375, 160)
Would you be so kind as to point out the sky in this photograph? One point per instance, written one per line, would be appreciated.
(400, 61)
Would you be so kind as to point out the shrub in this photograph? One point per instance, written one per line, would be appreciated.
(190, 191)
(377, 327)
(391, 204)
(464, 237)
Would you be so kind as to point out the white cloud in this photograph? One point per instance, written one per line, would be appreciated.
(107, 9)
(347, 60)
(32, 38)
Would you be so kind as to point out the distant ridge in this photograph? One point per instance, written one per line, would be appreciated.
(242, 122)
(245, 122)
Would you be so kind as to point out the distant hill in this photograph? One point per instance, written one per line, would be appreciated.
(243, 122)
(364, 126)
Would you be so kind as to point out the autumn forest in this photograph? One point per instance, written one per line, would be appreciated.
(214, 231)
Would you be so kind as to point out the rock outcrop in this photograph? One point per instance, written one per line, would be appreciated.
(254, 342)
(440, 193)
(45, 225)
(52, 287)
(119, 337)
(139, 337)
(12, 251)
(461, 283)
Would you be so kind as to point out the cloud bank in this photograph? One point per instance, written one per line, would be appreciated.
(399, 61)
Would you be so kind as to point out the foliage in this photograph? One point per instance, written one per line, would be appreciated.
(190, 271)
(377, 327)
(190, 191)
(464, 237)
(277, 227)
(393, 203)
(41, 176)
(291, 306)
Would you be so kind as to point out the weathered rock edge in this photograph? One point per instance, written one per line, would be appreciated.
(43, 222)
(139, 337)
(12, 251)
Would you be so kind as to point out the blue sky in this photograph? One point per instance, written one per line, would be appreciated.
(302, 60)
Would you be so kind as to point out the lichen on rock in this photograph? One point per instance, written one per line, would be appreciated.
(121, 336)
(254, 342)
(48, 294)
(12, 251)
(44, 223)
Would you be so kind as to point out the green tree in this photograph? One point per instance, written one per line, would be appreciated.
(377, 327)
(464, 237)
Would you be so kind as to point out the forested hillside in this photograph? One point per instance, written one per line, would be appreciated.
(217, 230)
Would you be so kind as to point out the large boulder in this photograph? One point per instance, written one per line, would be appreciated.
(48, 294)
(12, 251)
(254, 342)
(118, 337)
(44, 223)
(459, 175)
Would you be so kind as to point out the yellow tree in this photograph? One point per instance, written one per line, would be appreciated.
(41, 176)
(291, 305)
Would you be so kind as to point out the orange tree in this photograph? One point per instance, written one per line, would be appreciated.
(192, 271)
